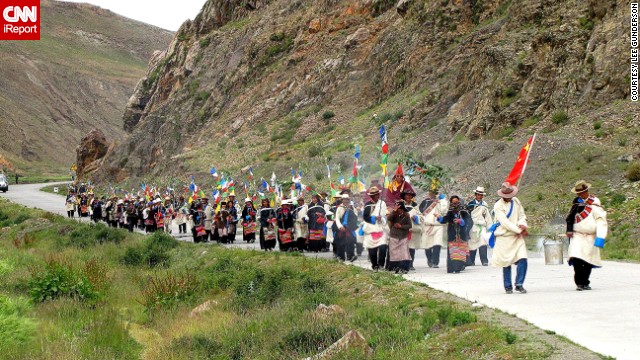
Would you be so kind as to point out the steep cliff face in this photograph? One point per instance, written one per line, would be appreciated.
(264, 79)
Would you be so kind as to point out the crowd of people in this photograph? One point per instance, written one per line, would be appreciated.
(385, 221)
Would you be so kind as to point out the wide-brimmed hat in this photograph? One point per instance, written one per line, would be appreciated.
(480, 190)
(507, 190)
(373, 191)
(580, 186)
(402, 205)
(248, 200)
(344, 196)
(407, 192)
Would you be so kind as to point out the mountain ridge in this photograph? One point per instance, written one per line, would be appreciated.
(75, 79)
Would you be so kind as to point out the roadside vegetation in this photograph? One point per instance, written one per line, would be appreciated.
(70, 290)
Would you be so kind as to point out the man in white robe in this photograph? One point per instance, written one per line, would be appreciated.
(510, 247)
(434, 232)
(481, 217)
(586, 229)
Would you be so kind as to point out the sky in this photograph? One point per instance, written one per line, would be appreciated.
(167, 14)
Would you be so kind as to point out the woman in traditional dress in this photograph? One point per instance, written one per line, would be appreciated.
(249, 221)
(400, 228)
(267, 226)
(457, 219)
(284, 216)
(70, 205)
(317, 220)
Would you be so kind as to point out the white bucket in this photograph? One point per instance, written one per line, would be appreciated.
(553, 252)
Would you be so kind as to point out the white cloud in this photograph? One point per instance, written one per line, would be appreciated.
(165, 14)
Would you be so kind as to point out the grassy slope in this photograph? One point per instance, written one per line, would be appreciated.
(261, 311)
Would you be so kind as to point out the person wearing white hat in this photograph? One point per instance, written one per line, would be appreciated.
(510, 247)
(209, 214)
(434, 232)
(374, 229)
(586, 229)
(347, 223)
(301, 228)
(284, 217)
(481, 220)
(249, 221)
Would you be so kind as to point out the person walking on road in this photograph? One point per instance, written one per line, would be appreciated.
(510, 247)
(586, 229)
(481, 220)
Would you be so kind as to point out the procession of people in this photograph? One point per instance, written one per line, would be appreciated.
(386, 222)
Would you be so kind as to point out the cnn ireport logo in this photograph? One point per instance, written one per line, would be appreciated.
(20, 20)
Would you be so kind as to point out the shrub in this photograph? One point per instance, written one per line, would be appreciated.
(168, 292)
(510, 337)
(86, 235)
(618, 199)
(133, 256)
(314, 151)
(16, 328)
(633, 172)
(597, 125)
(458, 318)
(153, 252)
(531, 121)
(560, 117)
(586, 23)
(328, 114)
(61, 279)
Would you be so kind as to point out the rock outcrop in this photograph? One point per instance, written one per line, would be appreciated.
(92, 149)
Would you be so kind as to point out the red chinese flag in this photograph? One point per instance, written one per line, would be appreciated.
(521, 163)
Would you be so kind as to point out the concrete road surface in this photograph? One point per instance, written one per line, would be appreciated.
(605, 320)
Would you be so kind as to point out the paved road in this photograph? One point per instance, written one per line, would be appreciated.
(604, 320)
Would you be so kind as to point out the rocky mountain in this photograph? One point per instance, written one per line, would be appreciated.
(78, 77)
(461, 84)
(299, 81)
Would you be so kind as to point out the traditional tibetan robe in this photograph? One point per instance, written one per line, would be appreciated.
(434, 232)
(317, 220)
(589, 223)
(285, 228)
(481, 218)
(267, 219)
(209, 213)
(510, 245)
(301, 220)
(376, 233)
(417, 227)
(249, 223)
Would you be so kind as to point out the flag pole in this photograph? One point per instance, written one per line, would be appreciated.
(526, 161)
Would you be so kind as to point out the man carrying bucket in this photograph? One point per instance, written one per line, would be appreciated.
(586, 230)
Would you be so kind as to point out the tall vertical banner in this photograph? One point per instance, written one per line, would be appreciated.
(19, 19)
